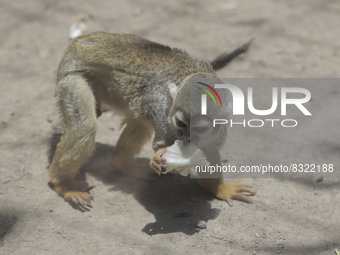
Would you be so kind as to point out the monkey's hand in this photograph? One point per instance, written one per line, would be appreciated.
(157, 162)
(234, 190)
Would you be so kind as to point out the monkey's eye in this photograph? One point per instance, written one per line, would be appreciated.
(199, 130)
(181, 124)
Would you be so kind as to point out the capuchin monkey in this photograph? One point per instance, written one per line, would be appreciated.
(147, 83)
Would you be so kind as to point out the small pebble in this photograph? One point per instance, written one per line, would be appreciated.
(319, 179)
(201, 224)
(49, 119)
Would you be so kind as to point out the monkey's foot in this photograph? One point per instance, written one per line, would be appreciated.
(234, 190)
(77, 197)
(157, 162)
(75, 191)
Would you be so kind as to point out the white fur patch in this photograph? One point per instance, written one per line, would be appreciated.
(173, 89)
(180, 116)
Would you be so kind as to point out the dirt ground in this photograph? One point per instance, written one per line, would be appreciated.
(293, 39)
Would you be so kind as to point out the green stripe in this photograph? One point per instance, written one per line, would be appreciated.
(208, 94)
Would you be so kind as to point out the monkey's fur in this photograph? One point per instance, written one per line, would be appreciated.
(148, 84)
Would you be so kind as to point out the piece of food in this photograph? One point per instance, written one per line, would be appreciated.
(182, 157)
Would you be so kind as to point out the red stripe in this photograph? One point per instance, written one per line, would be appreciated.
(213, 90)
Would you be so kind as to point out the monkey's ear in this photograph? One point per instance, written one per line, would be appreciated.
(172, 89)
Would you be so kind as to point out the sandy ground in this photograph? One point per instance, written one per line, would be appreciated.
(293, 39)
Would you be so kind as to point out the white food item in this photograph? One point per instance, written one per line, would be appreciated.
(77, 29)
(181, 158)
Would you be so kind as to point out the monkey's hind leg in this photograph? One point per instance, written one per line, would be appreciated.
(77, 108)
(234, 190)
(135, 134)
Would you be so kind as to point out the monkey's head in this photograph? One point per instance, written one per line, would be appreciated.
(186, 116)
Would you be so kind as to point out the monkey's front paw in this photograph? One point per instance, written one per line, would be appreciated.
(79, 198)
(235, 190)
(157, 162)
(75, 191)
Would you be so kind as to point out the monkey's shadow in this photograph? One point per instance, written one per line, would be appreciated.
(178, 203)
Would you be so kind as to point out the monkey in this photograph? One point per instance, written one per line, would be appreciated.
(145, 82)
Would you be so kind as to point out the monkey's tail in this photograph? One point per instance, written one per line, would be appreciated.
(224, 59)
